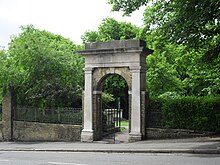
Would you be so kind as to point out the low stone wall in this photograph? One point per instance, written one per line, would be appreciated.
(157, 133)
(31, 131)
(1, 136)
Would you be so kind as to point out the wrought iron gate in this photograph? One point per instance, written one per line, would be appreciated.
(111, 118)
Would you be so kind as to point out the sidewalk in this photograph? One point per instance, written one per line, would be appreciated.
(204, 145)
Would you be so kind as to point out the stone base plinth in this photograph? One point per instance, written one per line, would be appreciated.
(87, 136)
(134, 137)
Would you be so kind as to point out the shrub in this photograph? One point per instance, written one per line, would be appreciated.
(154, 116)
(196, 113)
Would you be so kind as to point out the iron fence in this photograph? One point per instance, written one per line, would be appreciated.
(155, 119)
(49, 115)
(112, 117)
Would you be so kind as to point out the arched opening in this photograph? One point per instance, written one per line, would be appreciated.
(115, 106)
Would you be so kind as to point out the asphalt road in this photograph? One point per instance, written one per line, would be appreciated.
(64, 158)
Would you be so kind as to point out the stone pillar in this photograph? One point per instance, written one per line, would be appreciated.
(136, 134)
(8, 107)
(87, 132)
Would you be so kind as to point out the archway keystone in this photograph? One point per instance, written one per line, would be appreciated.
(126, 58)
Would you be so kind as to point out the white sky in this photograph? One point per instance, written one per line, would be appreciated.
(69, 18)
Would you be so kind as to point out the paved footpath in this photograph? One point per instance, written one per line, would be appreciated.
(204, 145)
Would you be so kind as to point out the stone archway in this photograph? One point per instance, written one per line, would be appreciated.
(99, 77)
(126, 58)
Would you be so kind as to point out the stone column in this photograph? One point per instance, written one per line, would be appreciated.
(87, 132)
(135, 134)
(8, 107)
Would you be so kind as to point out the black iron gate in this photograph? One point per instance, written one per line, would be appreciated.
(111, 119)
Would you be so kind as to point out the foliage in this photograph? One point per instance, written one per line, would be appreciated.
(194, 23)
(0, 112)
(197, 113)
(162, 76)
(181, 70)
(44, 68)
(106, 97)
(186, 35)
(190, 112)
(127, 6)
(110, 29)
(203, 78)
(3, 59)
(115, 85)
(169, 95)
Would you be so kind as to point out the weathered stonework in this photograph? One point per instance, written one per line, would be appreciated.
(8, 107)
(99, 75)
(31, 131)
(158, 133)
(126, 58)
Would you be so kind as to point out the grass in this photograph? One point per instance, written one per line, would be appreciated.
(124, 123)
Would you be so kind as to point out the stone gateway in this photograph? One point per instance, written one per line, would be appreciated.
(126, 58)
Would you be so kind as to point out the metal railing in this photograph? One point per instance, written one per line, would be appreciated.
(155, 119)
(113, 117)
(49, 115)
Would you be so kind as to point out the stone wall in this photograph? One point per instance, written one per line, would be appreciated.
(31, 131)
(158, 133)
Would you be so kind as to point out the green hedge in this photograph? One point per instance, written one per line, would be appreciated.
(0, 112)
(194, 113)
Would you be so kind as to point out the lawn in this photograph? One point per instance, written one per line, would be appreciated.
(124, 123)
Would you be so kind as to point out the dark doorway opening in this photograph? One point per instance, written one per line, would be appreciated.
(115, 105)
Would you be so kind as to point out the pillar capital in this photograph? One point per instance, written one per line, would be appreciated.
(138, 69)
(135, 68)
(88, 70)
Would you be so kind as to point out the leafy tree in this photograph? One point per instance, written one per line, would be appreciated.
(115, 85)
(202, 78)
(110, 29)
(162, 76)
(186, 33)
(195, 24)
(3, 59)
(127, 6)
(47, 71)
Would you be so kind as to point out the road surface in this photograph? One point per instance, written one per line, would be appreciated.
(65, 158)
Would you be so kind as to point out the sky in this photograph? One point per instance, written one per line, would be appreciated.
(69, 18)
